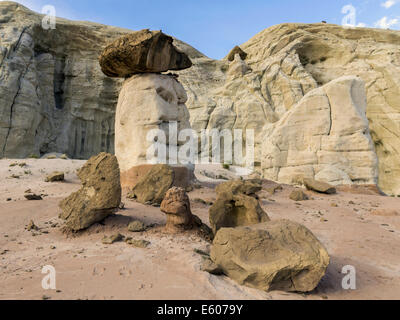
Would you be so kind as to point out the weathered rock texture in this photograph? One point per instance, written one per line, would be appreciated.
(176, 205)
(140, 52)
(277, 255)
(287, 61)
(99, 196)
(325, 136)
(236, 205)
(148, 102)
(54, 97)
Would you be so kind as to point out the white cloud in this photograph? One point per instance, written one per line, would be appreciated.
(361, 25)
(389, 3)
(386, 23)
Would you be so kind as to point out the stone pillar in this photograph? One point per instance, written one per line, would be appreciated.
(148, 100)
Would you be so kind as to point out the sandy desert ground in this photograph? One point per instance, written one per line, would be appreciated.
(169, 268)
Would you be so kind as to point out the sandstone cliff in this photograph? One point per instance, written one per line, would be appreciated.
(53, 96)
(287, 61)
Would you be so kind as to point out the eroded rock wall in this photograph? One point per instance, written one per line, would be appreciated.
(53, 96)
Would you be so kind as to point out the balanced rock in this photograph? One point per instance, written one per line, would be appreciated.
(151, 107)
(319, 186)
(236, 205)
(278, 255)
(99, 196)
(176, 205)
(142, 52)
(237, 50)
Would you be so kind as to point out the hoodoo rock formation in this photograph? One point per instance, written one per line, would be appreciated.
(55, 98)
(148, 102)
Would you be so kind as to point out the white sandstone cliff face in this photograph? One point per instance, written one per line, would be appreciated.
(53, 95)
(286, 62)
(147, 102)
(325, 136)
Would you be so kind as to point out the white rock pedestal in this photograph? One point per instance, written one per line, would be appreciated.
(146, 102)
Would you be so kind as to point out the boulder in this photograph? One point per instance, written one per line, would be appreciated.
(137, 226)
(236, 205)
(99, 196)
(142, 52)
(236, 187)
(298, 195)
(33, 197)
(278, 255)
(153, 186)
(319, 186)
(55, 177)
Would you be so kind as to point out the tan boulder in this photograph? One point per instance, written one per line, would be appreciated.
(142, 52)
(298, 195)
(55, 177)
(278, 255)
(99, 196)
(247, 187)
(236, 205)
(319, 186)
(153, 186)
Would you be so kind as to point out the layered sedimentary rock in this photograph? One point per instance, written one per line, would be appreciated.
(54, 97)
(325, 136)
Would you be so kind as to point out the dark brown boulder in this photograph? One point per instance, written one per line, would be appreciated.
(142, 52)
(237, 50)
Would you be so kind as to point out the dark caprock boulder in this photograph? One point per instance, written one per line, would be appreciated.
(143, 51)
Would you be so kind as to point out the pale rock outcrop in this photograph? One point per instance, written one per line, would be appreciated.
(325, 136)
(53, 95)
(277, 255)
(147, 102)
(289, 60)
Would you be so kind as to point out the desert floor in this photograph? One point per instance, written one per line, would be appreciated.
(169, 268)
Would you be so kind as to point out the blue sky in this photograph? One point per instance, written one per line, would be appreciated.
(215, 26)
